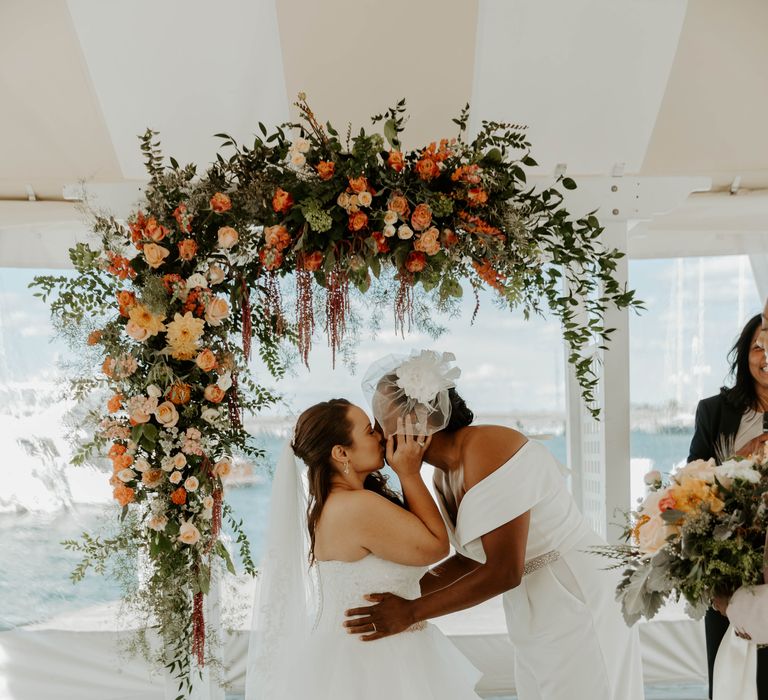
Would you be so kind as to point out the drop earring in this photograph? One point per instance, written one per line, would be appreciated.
(346, 468)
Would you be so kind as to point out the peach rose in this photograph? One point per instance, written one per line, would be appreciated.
(652, 535)
(416, 261)
(213, 393)
(216, 311)
(142, 465)
(154, 230)
(188, 533)
(389, 231)
(179, 496)
(282, 201)
(123, 494)
(166, 414)
(222, 468)
(158, 523)
(428, 242)
(358, 184)
(155, 254)
(448, 238)
(152, 478)
(312, 261)
(405, 232)
(398, 204)
(179, 460)
(227, 237)
(175, 478)
(220, 203)
(390, 217)
(93, 337)
(115, 403)
(421, 217)
(206, 360)
(126, 475)
(191, 483)
(136, 331)
(396, 161)
(427, 169)
(357, 221)
(364, 199)
(343, 200)
(215, 274)
(277, 237)
(179, 393)
(187, 249)
(325, 169)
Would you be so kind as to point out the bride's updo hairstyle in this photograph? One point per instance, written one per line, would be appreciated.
(461, 414)
(318, 430)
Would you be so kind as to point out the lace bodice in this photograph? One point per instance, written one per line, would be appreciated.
(342, 585)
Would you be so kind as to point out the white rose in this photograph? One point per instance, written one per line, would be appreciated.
(209, 415)
(737, 469)
(179, 460)
(175, 478)
(154, 391)
(197, 280)
(390, 217)
(389, 231)
(301, 145)
(364, 199)
(166, 414)
(136, 332)
(652, 477)
(166, 464)
(208, 503)
(188, 533)
(141, 465)
(126, 475)
(698, 469)
(158, 522)
(216, 312)
(227, 236)
(191, 483)
(343, 200)
(405, 232)
(298, 159)
(652, 535)
(215, 274)
(206, 514)
(225, 381)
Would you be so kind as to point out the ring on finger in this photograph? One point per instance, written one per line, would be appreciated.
(420, 443)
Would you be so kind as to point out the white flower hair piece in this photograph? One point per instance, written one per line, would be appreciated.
(413, 387)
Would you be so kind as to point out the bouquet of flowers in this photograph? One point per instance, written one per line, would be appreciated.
(697, 535)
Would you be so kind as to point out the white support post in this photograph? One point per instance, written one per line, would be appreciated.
(599, 450)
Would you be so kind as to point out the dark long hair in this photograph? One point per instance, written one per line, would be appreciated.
(318, 430)
(742, 394)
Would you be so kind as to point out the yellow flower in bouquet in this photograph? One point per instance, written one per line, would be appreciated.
(183, 334)
(144, 318)
(690, 494)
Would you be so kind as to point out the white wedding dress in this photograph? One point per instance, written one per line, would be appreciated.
(418, 664)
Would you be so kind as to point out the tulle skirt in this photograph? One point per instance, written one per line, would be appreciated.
(417, 665)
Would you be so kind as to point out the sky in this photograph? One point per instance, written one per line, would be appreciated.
(678, 346)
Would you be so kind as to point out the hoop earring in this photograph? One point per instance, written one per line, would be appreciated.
(346, 468)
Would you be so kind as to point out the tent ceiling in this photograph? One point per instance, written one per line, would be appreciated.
(665, 88)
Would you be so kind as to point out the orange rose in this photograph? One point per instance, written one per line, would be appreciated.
(325, 169)
(179, 393)
(187, 249)
(179, 496)
(396, 161)
(398, 204)
(220, 203)
(108, 367)
(115, 403)
(182, 218)
(206, 360)
(152, 478)
(427, 169)
(154, 230)
(93, 337)
(116, 450)
(155, 254)
(382, 245)
(282, 201)
(311, 261)
(477, 196)
(126, 301)
(421, 217)
(448, 238)
(358, 184)
(357, 221)
(416, 261)
(214, 393)
(122, 462)
(123, 494)
(277, 237)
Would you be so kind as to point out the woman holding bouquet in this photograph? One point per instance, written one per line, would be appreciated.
(731, 423)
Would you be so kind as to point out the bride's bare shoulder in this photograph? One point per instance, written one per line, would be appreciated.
(485, 448)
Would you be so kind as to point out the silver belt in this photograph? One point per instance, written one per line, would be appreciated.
(538, 562)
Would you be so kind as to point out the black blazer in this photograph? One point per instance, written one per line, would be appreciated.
(716, 419)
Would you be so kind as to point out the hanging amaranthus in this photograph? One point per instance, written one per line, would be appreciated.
(305, 314)
(336, 309)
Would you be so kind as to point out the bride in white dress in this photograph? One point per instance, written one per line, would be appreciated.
(517, 532)
(357, 536)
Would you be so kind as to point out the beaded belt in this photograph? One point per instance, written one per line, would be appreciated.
(538, 562)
